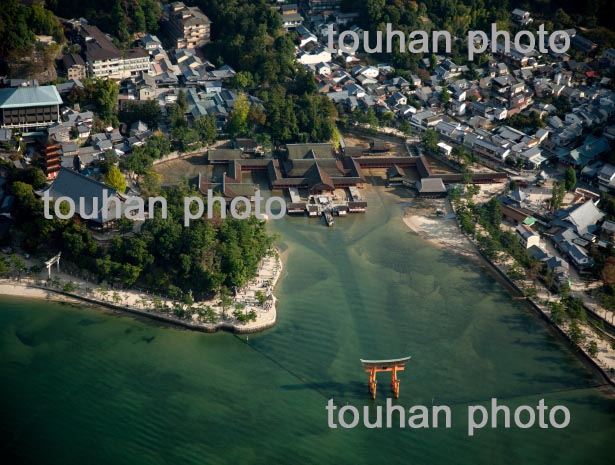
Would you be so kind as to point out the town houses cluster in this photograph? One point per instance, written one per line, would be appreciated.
(564, 101)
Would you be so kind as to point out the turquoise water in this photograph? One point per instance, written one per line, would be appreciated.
(84, 385)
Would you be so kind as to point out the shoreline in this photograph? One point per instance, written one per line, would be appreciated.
(560, 329)
(270, 270)
(24, 290)
(441, 231)
(444, 233)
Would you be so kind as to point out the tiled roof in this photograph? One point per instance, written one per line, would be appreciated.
(585, 216)
(71, 184)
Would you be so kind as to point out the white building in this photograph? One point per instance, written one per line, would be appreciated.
(105, 60)
(317, 55)
(527, 237)
(445, 148)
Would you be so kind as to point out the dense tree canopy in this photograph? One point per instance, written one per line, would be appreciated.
(247, 35)
(19, 24)
(306, 118)
(103, 94)
(148, 112)
(121, 18)
(141, 158)
(165, 256)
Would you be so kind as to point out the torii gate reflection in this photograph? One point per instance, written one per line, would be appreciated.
(394, 365)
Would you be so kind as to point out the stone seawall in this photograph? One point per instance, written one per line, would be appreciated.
(609, 378)
(267, 319)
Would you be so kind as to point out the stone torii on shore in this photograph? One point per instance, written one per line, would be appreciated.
(49, 263)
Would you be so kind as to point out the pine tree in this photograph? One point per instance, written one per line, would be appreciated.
(570, 178)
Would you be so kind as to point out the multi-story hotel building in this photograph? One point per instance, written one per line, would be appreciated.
(74, 66)
(104, 59)
(189, 26)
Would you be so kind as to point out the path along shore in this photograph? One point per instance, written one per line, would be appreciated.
(269, 272)
(443, 232)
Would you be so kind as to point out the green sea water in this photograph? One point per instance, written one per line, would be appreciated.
(88, 386)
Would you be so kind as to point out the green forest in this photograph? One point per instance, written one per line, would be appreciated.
(459, 16)
(19, 24)
(165, 257)
(247, 34)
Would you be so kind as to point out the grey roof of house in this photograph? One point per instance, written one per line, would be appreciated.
(104, 144)
(70, 148)
(567, 235)
(143, 135)
(139, 126)
(491, 146)
(532, 153)
(224, 154)
(88, 151)
(556, 262)
(431, 185)
(72, 59)
(510, 133)
(537, 253)
(335, 96)
(98, 45)
(525, 232)
(584, 217)
(518, 195)
(577, 253)
(76, 116)
(316, 150)
(149, 38)
(607, 171)
(608, 226)
(68, 161)
(58, 128)
(292, 17)
(75, 186)
(65, 87)
(115, 137)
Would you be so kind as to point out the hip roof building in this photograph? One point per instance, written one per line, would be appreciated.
(89, 192)
(29, 107)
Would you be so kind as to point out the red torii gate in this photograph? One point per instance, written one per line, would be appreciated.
(394, 365)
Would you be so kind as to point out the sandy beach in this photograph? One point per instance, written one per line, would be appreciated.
(23, 289)
(134, 302)
(440, 230)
